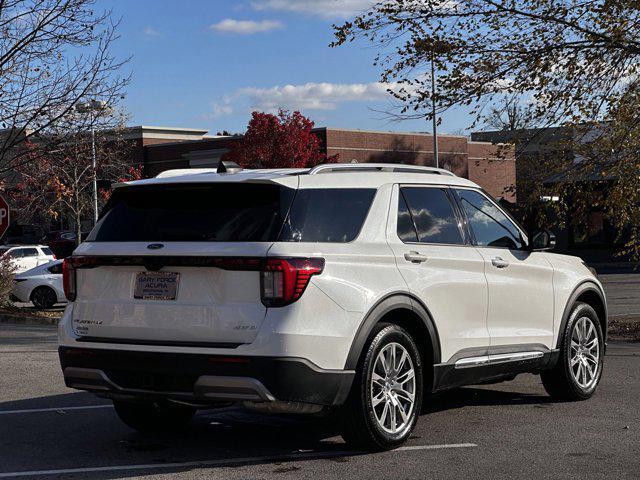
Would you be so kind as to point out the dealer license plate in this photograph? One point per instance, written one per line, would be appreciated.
(156, 285)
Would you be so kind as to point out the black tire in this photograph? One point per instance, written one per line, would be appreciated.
(360, 424)
(560, 381)
(152, 417)
(43, 297)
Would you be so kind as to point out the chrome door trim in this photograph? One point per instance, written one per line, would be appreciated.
(497, 358)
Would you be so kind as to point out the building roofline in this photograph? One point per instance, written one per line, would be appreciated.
(157, 128)
(389, 132)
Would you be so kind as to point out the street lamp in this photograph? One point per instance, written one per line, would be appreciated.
(91, 107)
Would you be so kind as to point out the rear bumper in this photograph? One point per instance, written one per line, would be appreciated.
(202, 378)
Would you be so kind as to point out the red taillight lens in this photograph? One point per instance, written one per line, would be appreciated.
(69, 279)
(283, 280)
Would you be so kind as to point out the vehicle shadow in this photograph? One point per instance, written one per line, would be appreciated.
(477, 396)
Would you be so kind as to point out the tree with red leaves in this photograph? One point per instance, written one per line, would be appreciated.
(284, 140)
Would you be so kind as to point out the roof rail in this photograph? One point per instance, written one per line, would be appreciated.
(378, 167)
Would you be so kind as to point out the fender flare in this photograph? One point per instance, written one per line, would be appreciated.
(585, 286)
(385, 305)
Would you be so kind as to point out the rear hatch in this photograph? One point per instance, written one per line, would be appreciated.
(175, 264)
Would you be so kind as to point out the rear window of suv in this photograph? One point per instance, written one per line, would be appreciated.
(232, 212)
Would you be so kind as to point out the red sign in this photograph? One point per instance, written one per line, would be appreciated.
(4, 216)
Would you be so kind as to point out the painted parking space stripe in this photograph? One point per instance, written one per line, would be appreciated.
(53, 409)
(224, 462)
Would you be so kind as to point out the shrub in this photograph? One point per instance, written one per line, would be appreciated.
(7, 270)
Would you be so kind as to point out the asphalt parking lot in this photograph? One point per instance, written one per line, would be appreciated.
(508, 430)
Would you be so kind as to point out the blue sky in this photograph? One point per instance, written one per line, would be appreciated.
(209, 63)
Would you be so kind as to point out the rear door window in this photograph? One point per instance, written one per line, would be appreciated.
(327, 215)
(432, 214)
(30, 252)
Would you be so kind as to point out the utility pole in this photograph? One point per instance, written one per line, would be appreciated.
(95, 174)
(433, 112)
(91, 107)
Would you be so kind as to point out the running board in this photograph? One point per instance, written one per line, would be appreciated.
(497, 358)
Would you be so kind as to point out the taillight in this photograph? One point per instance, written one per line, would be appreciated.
(69, 279)
(69, 267)
(283, 280)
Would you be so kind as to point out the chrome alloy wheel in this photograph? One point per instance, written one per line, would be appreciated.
(585, 352)
(393, 388)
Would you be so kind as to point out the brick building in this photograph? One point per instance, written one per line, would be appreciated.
(161, 150)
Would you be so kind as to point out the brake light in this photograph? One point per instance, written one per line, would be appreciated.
(69, 279)
(283, 280)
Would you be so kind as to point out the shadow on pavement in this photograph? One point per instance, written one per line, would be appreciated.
(467, 396)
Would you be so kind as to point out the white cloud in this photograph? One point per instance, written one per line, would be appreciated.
(308, 96)
(323, 8)
(313, 96)
(151, 32)
(245, 27)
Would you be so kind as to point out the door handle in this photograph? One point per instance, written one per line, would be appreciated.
(415, 257)
(499, 262)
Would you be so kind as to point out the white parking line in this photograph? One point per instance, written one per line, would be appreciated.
(223, 462)
(436, 447)
(54, 409)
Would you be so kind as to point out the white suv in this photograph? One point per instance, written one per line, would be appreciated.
(360, 287)
(26, 257)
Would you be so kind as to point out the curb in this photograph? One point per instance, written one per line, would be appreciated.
(16, 319)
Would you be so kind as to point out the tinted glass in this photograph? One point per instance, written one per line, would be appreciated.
(226, 212)
(433, 215)
(327, 215)
(30, 252)
(491, 227)
(47, 251)
(55, 269)
(406, 229)
(16, 253)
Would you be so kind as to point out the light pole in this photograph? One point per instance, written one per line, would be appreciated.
(90, 107)
(433, 112)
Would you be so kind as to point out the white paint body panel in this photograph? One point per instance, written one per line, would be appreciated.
(521, 298)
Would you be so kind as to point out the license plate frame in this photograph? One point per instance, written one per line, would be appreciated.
(156, 286)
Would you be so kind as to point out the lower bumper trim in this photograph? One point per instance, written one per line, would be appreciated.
(198, 377)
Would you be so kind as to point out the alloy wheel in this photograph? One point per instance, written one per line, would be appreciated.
(393, 388)
(584, 352)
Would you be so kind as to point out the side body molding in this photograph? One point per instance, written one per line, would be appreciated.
(387, 304)
(584, 287)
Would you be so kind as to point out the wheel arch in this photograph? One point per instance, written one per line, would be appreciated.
(591, 294)
(408, 312)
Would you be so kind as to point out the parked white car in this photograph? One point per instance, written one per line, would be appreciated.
(26, 257)
(41, 285)
(357, 287)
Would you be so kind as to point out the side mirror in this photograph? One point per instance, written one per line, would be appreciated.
(542, 240)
